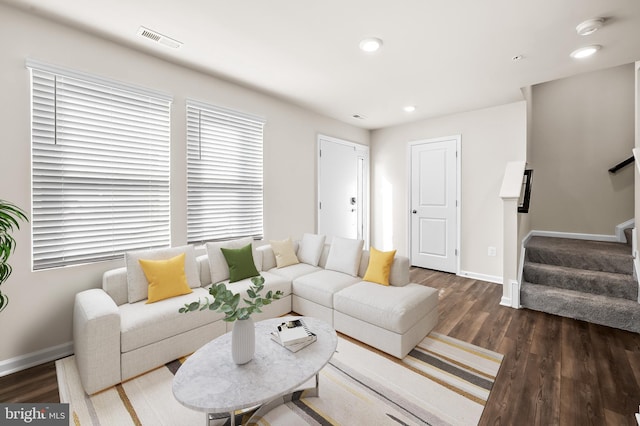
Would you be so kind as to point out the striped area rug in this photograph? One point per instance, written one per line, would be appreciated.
(442, 381)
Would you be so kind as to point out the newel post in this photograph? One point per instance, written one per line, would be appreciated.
(510, 194)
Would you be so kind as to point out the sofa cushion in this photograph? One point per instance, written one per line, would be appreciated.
(272, 282)
(294, 271)
(344, 255)
(166, 278)
(379, 266)
(137, 284)
(240, 262)
(284, 253)
(217, 263)
(393, 308)
(142, 324)
(319, 287)
(310, 249)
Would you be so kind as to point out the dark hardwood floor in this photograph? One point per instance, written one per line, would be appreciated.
(556, 371)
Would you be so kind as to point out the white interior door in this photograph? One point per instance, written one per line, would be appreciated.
(433, 204)
(342, 188)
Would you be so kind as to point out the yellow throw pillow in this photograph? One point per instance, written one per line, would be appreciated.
(166, 278)
(379, 266)
(285, 255)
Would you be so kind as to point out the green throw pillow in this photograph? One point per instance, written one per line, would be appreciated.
(240, 263)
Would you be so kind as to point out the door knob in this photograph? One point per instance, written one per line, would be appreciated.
(415, 211)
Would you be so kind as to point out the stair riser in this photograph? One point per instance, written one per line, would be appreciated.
(615, 264)
(611, 312)
(612, 285)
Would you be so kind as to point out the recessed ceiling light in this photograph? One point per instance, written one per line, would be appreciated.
(370, 45)
(589, 26)
(409, 108)
(584, 52)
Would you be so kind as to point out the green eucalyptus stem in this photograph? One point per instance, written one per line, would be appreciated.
(227, 302)
(10, 217)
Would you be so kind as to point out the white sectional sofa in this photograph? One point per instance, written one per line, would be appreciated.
(118, 336)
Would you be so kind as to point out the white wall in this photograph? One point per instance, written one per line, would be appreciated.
(39, 314)
(582, 126)
(490, 138)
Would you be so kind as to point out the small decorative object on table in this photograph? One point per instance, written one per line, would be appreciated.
(293, 335)
(225, 301)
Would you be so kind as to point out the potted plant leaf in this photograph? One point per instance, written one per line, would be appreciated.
(10, 217)
(228, 302)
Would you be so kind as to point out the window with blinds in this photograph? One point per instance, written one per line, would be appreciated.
(100, 168)
(224, 174)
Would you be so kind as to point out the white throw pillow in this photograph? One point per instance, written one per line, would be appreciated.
(344, 255)
(311, 249)
(284, 253)
(137, 284)
(218, 264)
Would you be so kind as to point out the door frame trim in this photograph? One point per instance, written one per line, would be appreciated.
(410, 145)
(367, 184)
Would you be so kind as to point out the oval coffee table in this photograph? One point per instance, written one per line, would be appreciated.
(210, 381)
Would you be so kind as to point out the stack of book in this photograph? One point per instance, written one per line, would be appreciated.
(293, 335)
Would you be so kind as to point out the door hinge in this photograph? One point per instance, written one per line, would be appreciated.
(456, 252)
(320, 153)
(320, 205)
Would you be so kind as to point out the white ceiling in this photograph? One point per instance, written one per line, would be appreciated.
(441, 56)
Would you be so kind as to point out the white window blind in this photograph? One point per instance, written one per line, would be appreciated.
(100, 169)
(224, 174)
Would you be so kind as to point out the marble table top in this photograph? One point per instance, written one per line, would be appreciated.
(210, 381)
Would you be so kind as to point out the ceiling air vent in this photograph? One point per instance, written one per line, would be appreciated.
(158, 38)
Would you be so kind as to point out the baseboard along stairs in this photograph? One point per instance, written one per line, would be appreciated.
(587, 280)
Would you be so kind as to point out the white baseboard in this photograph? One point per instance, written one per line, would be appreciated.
(32, 359)
(619, 236)
(514, 300)
(573, 235)
(482, 277)
(631, 223)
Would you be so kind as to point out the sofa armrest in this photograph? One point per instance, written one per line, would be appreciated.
(114, 282)
(399, 275)
(268, 257)
(204, 269)
(96, 340)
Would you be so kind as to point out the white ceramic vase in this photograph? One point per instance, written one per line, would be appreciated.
(243, 341)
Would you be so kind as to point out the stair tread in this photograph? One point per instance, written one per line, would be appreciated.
(526, 286)
(583, 246)
(594, 282)
(609, 311)
(580, 271)
(581, 254)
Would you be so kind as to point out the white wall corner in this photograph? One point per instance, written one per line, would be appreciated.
(32, 359)
(512, 299)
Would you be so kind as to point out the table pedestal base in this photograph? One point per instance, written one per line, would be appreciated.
(266, 407)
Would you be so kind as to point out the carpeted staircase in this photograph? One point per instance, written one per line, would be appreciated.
(586, 280)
